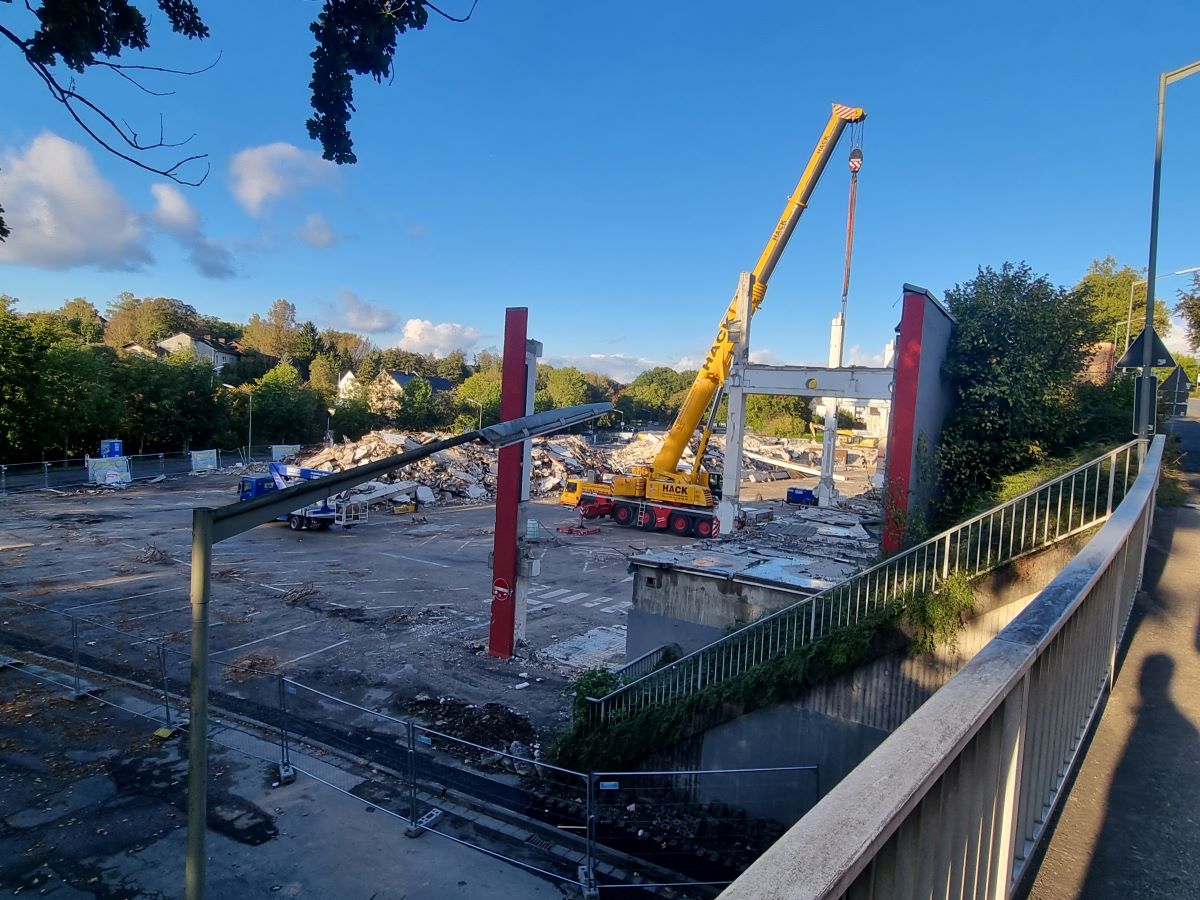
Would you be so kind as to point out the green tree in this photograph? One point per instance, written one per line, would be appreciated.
(657, 393)
(1108, 287)
(351, 419)
(353, 37)
(308, 341)
(778, 416)
(567, 386)
(148, 320)
(452, 367)
(81, 317)
(418, 408)
(21, 357)
(276, 335)
(348, 348)
(406, 362)
(78, 398)
(220, 329)
(1187, 306)
(1013, 358)
(323, 378)
(284, 411)
(483, 388)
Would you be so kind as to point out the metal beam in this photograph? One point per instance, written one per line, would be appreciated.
(845, 383)
(238, 517)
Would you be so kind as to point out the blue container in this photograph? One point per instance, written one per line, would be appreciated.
(802, 496)
(111, 448)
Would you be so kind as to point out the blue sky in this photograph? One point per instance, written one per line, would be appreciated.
(613, 168)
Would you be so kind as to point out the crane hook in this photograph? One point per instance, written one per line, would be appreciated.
(856, 160)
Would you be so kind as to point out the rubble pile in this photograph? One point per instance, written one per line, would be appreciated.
(462, 474)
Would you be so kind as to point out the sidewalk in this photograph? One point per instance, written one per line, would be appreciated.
(1130, 826)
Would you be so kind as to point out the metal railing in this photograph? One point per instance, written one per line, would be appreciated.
(955, 802)
(1064, 506)
(646, 663)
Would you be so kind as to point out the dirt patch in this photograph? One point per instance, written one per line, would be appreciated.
(491, 725)
(250, 666)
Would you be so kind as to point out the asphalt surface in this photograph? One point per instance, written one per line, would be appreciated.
(393, 609)
(93, 806)
(1130, 826)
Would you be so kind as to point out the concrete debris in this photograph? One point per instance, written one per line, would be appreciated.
(150, 553)
(465, 474)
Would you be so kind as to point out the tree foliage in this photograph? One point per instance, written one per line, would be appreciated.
(275, 335)
(1013, 358)
(1187, 307)
(353, 37)
(147, 320)
(656, 394)
(1108, 287)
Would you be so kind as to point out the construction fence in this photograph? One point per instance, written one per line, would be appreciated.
(599, 831)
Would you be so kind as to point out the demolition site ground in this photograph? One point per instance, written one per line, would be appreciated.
(388, 615)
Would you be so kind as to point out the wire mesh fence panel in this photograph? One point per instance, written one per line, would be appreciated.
(539, 811)
(705, 825)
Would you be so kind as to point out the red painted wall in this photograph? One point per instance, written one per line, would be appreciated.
(903, 419)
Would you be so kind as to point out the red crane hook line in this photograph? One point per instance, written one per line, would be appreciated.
(856, 160)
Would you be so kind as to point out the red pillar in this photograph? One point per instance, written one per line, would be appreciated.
(508, 488)
(902, 442)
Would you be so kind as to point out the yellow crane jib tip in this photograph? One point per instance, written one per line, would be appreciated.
(849, 113)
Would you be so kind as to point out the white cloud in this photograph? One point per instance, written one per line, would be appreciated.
(261, 174)
(855, 357)
(316, 231)
(424, 336)
(617, 366)
(172, 212)
(354, 313)
(1176, 340)
(177, 217)
(765, 357)
(63, 213)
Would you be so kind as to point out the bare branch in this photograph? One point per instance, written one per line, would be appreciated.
(163, 69)
(136, 83)
(446, 15)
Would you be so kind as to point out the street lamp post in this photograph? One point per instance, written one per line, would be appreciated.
(1149, 299)
(480, 405)
(250, 427)
(1147, 388)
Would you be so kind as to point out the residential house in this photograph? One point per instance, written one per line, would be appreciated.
(216, 350)
(137, 349)
(390, 381)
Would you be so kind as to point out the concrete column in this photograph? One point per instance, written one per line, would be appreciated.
(729, 509)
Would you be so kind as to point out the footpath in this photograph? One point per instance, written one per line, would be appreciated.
(1130, 827)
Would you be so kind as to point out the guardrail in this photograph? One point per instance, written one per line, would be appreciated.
(956, 800)
(1062, 507)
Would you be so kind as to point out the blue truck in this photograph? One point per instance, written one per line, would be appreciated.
(316, 516)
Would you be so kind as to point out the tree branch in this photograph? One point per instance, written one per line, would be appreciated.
(446, 15)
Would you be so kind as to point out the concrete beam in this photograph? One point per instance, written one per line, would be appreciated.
(845, 383)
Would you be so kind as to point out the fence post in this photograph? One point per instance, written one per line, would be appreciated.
(413, 830)
(162, 668)
(75, 652)
(3, 481)
(162, 466)
(587, 874)
(286, 773)
(46, 474)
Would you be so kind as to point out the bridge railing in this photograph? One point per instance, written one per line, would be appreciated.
(954, 802)
(1064, 506)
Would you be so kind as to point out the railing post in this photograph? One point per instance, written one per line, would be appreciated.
(1112, 479)
(286, 773)
(162, 669)
(75, 652)
(946, 557)
(1008, 802)
(162, 465)
(3, 481)
(46, 474)
(587, 874)
(413, 829)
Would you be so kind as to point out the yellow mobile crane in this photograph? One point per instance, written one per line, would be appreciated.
(661, 495)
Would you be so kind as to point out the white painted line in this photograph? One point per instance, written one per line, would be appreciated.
(119, 599)
(427, 562)
(387, 592)
(618, 607)
(627, 579)
(315, 652)
(552, 594)
(598, 601)
(161, 612)
(572, 598)
(267, 638)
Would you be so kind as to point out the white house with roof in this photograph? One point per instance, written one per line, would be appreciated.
(216, 350)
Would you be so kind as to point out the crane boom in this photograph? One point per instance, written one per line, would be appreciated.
(718, 361)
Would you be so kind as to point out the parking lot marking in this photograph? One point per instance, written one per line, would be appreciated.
(315, 652)
(119, 599)
(550, 595)
(618, 607)
(428, 562)
(627, 579)
(572, 598)
(598, 601)
(536, 607)
(267, 638)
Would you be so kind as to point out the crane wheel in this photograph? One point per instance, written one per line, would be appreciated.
(589, 512)
(704, 527)
(680, 524)
(623, 514)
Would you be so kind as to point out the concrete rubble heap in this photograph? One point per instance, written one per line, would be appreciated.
(461, 474)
